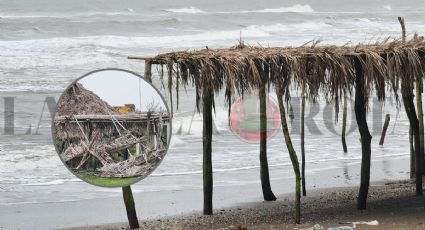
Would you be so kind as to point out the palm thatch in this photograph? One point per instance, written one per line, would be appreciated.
(331, 72)
(79, 100)
(322, 70)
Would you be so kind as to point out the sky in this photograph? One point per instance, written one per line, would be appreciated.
(119, 87)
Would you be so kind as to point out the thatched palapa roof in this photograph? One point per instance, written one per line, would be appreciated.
(79, 100)
(326, 69)
(82, 106)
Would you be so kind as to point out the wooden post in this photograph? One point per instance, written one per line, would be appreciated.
(344, 124)
(129, 206)
(148, 71)
(365, 137)
(126, 191)
(384, 129)
(207, 98)
(420, 117)
(409, 106)
(292, 154)
(291, 113)
(264, 167)
(412, 154)
(302, 141)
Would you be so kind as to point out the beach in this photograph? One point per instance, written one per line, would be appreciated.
(45, 46)
(185, 205)
(391, 205)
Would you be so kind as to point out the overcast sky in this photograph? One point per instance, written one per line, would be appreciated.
(120, 87)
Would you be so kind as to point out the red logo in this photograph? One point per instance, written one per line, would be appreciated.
(245, 118)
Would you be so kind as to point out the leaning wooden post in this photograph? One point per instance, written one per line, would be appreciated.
(264, 166)
(292, 154)
(302, 140)
(126, 191)
(129, 202)
(207, 97)
(420, 116)
(365, 137)
(130, 207)
(344, 124)
(409, 106)
(384, 129)
(419, 89)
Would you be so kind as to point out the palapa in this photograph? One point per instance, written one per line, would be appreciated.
(331, 72)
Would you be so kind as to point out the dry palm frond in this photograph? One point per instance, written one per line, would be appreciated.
(320, 70)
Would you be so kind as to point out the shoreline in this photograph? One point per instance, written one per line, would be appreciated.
(153, 205)
(391, 205)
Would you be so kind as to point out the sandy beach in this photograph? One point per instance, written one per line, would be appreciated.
(46, 46)
(164, 204)
(391, 205)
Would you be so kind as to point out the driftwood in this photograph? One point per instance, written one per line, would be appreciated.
(134, 166)
(103, 152)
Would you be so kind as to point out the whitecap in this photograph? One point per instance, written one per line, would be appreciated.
(298, 8)
(190, 10)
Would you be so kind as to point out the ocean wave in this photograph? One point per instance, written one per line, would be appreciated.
(52, 182)
(298, 8)
(69, 15)
(92, 50)
(278, 27)
(189, 10)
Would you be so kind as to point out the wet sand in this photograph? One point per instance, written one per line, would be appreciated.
(162, 205)
(392, 204)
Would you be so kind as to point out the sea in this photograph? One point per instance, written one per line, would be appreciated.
(47, 44)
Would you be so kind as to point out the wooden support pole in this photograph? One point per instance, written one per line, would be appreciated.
(148, 71)
(409, 106)
(130, 207)
(126, 191)
(207, 98)
(412, 154)
(365, 137)
(292, 154)
(420, 117)
(384, 129)
(344, 124)
(302, 141)
(264, 166)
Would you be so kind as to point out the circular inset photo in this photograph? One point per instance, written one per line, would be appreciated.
(111, 128)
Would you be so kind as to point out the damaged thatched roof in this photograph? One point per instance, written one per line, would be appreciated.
(329, 70)
(82, 106)
(79, 100)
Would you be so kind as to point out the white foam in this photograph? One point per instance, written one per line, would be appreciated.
(189, 10)
(36, 157)
(67, 15)
(298, 8)
(53, 182)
